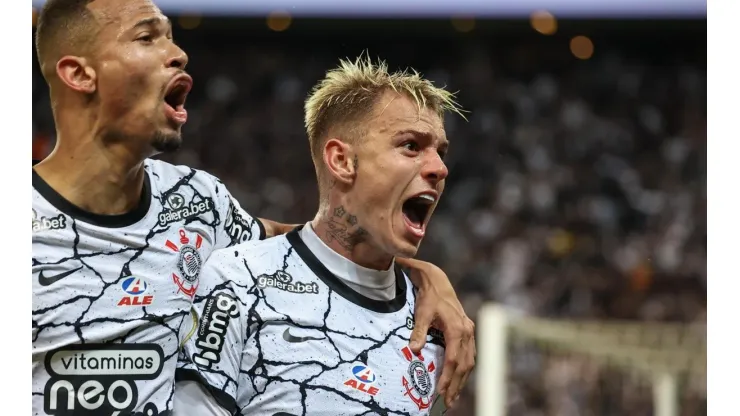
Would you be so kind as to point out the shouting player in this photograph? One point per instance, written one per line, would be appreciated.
(119, 239)
(317, 321)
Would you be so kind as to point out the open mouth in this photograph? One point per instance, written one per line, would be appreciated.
(174, 98)
(177, 94)
(416, 209)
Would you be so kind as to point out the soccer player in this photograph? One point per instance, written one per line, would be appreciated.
(317, 321)
(118, 238)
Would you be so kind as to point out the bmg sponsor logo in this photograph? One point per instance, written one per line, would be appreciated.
(99, 379)
(219, 310)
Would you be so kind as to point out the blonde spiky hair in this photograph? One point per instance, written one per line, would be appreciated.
(350, 91)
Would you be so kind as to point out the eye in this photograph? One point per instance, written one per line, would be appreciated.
(411, 146)
(442, 154)
(145, 38)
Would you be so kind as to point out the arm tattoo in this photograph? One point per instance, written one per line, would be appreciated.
(343, 229)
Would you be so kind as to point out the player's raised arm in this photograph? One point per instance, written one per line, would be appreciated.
(437, 303)
(208, 366)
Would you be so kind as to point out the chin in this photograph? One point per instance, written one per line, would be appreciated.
(167, 142)
(405, 248)
(407, 254)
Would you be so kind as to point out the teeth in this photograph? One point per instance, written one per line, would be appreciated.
(427, 197)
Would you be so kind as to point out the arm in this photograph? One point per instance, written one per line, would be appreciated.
(273, 228)
(211, 356)
(437, 305)
(234, 225)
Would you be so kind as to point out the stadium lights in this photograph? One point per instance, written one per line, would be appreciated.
(189, 21)
(544, 22)
(582, 47)
(279, 21)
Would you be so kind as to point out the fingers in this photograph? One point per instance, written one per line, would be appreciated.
(467, 366)
(453, 344)
(463, 364)
(423, 317)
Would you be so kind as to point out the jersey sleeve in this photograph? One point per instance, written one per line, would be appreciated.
(211, 354)
(237, 226)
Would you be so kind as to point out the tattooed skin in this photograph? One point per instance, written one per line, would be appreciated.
(343, 229)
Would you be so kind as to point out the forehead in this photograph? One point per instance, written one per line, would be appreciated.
(395, 112)
(123, 14)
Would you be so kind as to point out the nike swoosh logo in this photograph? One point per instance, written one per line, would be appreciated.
(290, 338)
(50, 280)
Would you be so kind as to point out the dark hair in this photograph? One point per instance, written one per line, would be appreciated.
(62, 24)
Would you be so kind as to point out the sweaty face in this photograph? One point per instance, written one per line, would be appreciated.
(141, 82)
(400, 173)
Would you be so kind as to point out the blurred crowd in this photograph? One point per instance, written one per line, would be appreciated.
(577, 188)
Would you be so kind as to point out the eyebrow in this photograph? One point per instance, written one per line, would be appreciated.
(152, 21)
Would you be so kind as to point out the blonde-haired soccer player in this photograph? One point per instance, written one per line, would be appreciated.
(318, 321)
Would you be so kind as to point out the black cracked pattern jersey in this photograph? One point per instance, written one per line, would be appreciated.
(112, 295)
(278, 334)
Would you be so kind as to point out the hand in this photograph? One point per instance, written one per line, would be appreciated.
(437, 305)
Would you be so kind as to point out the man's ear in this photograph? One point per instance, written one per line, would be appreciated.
(339, 158)
(74, 72)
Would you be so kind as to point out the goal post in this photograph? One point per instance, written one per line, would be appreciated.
(619, 363)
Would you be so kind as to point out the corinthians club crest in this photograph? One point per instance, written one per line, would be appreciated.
(418, 379)
(189, 263)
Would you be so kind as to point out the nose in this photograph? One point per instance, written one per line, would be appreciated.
(435, 169)
(178, 58)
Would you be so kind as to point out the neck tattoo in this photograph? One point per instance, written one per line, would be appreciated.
(342, 228)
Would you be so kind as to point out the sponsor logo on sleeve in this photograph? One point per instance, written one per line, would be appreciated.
(283, 281)
(99, 379)
(218, 312)
(236, 226)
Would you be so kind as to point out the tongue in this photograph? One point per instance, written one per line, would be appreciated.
(180, 115)
(412, 216)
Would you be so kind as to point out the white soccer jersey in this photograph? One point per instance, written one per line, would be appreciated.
(112, 295)
(278, 334)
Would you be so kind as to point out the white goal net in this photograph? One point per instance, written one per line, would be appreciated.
(529, 366)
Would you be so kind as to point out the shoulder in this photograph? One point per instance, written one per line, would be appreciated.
(253, 257)
(166, 175)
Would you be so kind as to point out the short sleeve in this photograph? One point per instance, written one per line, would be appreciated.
(211, 354)
(237, 226)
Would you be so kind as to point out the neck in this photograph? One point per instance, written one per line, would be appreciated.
(338, 228)
(99, 178)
